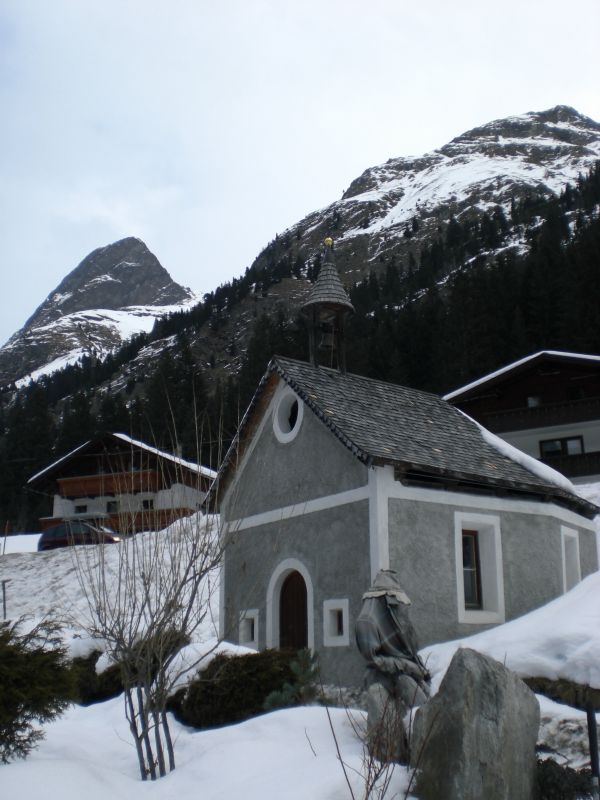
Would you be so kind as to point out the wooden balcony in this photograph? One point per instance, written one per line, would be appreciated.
(576, 466)
(565, 413)
(114, 483)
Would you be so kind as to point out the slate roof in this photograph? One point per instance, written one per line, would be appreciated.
(416, 431)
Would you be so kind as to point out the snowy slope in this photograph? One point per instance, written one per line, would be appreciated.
(530, 150)
(534, 154)
(111, 328)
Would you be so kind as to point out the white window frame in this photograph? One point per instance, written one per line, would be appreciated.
(490, 565)
(331, 608)
(569, 544)
(249, 616)
(281, 412)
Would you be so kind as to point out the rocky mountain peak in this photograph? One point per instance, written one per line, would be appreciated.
(561, 126)
(119, 275)
(117, 290)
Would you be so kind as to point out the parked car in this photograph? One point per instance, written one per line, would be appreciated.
(76, 532)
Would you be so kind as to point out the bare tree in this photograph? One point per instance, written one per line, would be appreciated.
(147, 597)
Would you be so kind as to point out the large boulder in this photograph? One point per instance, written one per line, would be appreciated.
(476, 738)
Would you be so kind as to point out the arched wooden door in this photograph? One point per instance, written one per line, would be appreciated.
(293, 613)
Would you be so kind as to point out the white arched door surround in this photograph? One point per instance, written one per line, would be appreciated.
(281, 572)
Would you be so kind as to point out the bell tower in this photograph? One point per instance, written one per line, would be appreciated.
(327, 309)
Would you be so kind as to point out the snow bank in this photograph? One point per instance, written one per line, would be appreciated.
(289, 753)
(21, 543)
(559, 640)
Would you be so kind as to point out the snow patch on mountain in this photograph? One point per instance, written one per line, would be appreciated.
(119, 325)
(454, 179)
(538, 152)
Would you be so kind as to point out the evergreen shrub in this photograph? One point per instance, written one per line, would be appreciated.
(303, 688)
(91, 687)
(36, 685)
(557, 782)
(142, 665)
(232, 688)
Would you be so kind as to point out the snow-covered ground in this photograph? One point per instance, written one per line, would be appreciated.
(21, 543)
(289, 753)
(559, 640)
(286, 754)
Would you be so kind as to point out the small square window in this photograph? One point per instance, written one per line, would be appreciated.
(248, 632)
(148, 505)
(81, 509)
(112, 506)
(336, 626)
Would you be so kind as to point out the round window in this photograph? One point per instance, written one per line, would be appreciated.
(287, 417)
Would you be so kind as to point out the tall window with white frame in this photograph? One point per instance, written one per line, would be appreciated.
(479, 571)
(471, 569)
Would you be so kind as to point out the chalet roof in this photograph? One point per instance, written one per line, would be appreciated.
(555, 355)
(198, 469)
(418, 432)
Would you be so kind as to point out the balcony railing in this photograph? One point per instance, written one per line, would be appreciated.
(517, 419)
(577, 466)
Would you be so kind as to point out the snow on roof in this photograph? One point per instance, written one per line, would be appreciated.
(538, 468)
(191, 465)
(514, 365)
(59, 461)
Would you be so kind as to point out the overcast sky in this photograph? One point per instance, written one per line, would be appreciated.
(205, 127)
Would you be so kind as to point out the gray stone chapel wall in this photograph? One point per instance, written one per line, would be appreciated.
(314, 464)
(333, 545)
(422, 550)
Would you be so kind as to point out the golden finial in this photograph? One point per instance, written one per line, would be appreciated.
(328, 242)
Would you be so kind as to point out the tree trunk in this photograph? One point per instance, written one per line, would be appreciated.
(169, 741)
(131, 716)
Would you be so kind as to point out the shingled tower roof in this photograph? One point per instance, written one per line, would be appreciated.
(326, 309)
(328, 289)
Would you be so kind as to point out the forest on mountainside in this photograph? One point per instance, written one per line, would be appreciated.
(443, 318)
